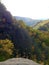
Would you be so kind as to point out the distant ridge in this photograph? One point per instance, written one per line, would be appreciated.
(28, 21)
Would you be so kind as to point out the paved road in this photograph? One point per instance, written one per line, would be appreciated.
(19, 61)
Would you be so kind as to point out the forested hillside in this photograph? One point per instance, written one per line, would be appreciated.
(41, 24)
(12, 30)
(19, 40)
(44, 27)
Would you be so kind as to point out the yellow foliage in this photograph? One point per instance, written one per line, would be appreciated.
(6, 45)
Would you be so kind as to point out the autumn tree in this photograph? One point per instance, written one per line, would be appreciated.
(6, 49)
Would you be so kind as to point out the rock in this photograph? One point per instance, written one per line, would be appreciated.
(19, 61)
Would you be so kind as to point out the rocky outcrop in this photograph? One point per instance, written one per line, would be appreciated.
(19, 61)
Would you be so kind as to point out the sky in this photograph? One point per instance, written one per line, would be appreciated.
(35, 9)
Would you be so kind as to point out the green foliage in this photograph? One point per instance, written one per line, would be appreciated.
(22, 24)
(6, 49)
(40, 41)
(27, 42)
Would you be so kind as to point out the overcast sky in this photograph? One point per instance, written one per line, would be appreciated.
(35, 9)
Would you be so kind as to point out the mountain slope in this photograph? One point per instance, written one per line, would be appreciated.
(41, 24)
(44, 27)
(28, 21)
